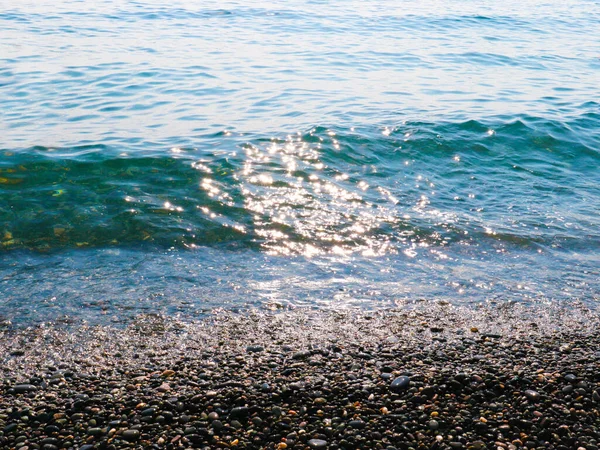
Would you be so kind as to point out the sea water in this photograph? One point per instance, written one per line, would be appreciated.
(178, 157)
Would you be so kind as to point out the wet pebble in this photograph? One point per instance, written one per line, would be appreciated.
(317, 443)
(220, 397)
(22, 388)
(131, 435)
(240, 411)
(255, 348)
(532, 395)
(400, 384)
(357, 424)
(433, 425)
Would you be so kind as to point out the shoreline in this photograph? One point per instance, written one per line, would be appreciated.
(435, 377)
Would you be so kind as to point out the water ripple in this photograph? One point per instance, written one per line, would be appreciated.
(394, 189)
(342, 147)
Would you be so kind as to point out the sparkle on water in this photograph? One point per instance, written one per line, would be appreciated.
(178, 158)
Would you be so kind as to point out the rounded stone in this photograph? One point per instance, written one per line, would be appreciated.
(10, 428)
(21, 388)
(532, 395)
(357, 424)
(148, 412)
(400, 384)
(317, 443)
(131, 435)
(254, 348)
(433, 425)
(240, 411)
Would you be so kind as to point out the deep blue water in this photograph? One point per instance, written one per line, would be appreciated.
(176, 158)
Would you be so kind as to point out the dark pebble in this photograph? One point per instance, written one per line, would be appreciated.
(49, 429)
(21, 388)
(131, 435)
(240, 411)
(317, 443)
(532, 395)
(194, 438)
(301, 355)
(10, 428)
(433, 425)
(255, 348)
(357, 424)
(400, 384)
(257, 421)
(148, 412)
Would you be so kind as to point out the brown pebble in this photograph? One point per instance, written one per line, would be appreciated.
(164, 387)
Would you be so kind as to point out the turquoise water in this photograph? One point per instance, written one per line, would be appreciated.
(183, 157)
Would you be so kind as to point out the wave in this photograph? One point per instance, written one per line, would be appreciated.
(527, 182)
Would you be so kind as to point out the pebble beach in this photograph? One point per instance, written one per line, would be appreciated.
(432, 377)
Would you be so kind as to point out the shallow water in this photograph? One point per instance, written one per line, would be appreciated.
(178, 158)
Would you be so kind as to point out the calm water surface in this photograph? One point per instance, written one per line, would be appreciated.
(174, 158)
